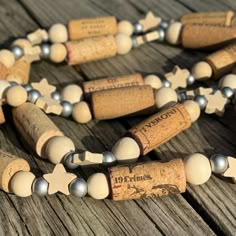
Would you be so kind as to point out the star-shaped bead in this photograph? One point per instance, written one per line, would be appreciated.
(59, 180)
(178, 77)
(231, 171)
(150, 21)
(203, 91)
(49, 105)
(44, 87)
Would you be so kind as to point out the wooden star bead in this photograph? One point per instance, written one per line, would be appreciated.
(150, 21)
(203, 91)
(44, 87)
(231, 171)
(152, 36)
(49, 105)
(32, 53)
(88, 158)
(178, 77)
(190, 93)
(59, 180)
(37, 36)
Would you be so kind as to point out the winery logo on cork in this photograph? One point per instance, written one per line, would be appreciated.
(131, 179)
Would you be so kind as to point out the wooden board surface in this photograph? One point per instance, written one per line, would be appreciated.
(204, 210)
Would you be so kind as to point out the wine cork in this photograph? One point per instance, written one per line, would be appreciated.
(112, 83)
(113, 103)
(222, 61)
(160, 127)
(34, 126)
(208, 18)
(197, 36)
(87, 28)
(9, 165)
(91, 49)
(3, 71)
(150, 179)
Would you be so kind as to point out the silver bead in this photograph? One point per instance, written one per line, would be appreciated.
(164, 24)
(166, 83)
(56, 96)
(190, 80)
(227, 92)
(17, 51)
(45, 50)
(40, 187)
(219, 163)
(161, 33)
(108, 158)
(33, 95)
(67, 108)
(201, 100)
(27, 87)
(68, 161)
(78, 187)
(182, 96)
(134, 42)
(13, 83)
(138, 28)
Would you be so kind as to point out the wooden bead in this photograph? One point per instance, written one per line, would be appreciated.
(126, 150)
(14, 78)
(197, 169)
(98, 187)
(58, 53)
(3, 87)
(123, 43)
(202, 71)
(193, 109)
(154, 81)
(165, 97)
(57, 147)
(228, 81)
(58, 33)
(72, 93)
(16, 96)
(3, 71)
(173, 33)
(81, 112)
(21, 183)
(7, 58)
(125, 27)
(23, 43)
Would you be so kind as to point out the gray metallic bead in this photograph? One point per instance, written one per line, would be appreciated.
(108, 158)
(134, 42)
(33, 95)
(182, 96)
(56, 96)
(67, 108)
(190, 80)
(78, 187)
(219, 163)
(13, 83)
(227, 92)
(164, 24)
(67, 161)
(162, 34)
(201, 100)
(40, 187)
(166, 83)
(27, 87)
(17, 51)
(138, 28)
(45, 50)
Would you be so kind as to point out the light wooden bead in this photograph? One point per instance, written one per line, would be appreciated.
(125, 27)
(81, 112)
(16, 96)
(123, 43)
(173, 33)
(202, 71)
(23, 43)
(72, 93)
(7, 58)
(57, 147)
(228, 81)
(14, 78)
(3, 87)
(58, 53)
(165, 97)
(21, 183)
(153, 80)
(98, 187)
(58, 33)
(126, 150)
(197, 169)
(193, 109)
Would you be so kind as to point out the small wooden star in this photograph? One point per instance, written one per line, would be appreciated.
(152, 36)
(203, 91)
(44, 87)
(37, 36)
(32, 53)
(88, 158)
(178, 77)
(49, 105)
(231, 171)
(59, 180)
(216, 103)
(150, 21)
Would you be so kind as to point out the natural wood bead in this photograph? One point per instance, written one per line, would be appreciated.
(21, 183)
(23, 43)
(7, 58)
(16, 96)
(58, 33)
(126, 150)
(81, 112)
(57, 147)
(125, 27)
(153, 80)
(3, 87)
(123, 43)
(197, 169)
(14, 78)
(58, 53)
(193, 109)
(165, 97)
(173, 33)
(228, 81)
(3, 71)
(72, 93)
(98, 187)
(202, 71)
